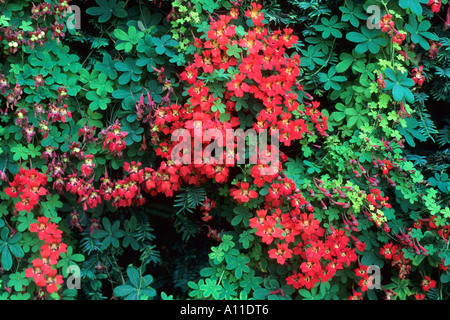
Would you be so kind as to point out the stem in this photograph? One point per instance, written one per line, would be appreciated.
(326, 62)
(220, 279)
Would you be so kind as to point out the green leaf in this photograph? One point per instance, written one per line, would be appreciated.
(123, 290)
(164, 45)
(233, 50)
(312, 56)
(107, 66)
(210, 288)
(419, 32)
(238, 264)
(414, 5)
(127, 40)
(399, 83)
(20, 152)
(107, 8)
(216, 255)
(242, 215)
(18, 281)
(6, 258)
(351, 14)
(48, 208)
(134, 276)
(368, 40)
(130, 71)
(330, 27)
(330, 80)
(68, 259)
(134, 131)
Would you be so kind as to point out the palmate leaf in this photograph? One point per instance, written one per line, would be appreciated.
(419, 32)
(210, 288)
(107, 66)
(107, 8)
(127, 40)
(130, 71)
(9, 247)
(414, 5)
(137, 286)
(440, 181)
(368, 40)
(18, 281)
(330, 27)
(346, 60)
(352, 14)
(411, 132)
(399, 83)
(311, 57)
(331, 80)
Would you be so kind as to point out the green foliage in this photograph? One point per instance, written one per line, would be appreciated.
(138, 287)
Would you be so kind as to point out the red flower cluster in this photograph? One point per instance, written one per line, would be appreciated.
(394, 253)
(418, 76)
(262, 51)
(321, 258)
(434, 49)
(427, 283)
(242, 193)
(291, 233)
(386, 23)
(113, 139)
(375, 199)
(38, 36)
(430, 225)
(388, 26)
(261, 70)
(23, 122)
(43, 271)
(85, 190)
(58, 113)
(363, 276)
(28, 186)
(206, 208)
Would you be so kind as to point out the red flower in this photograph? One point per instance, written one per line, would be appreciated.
(189, 74)
(388, 250)
(243, 193)
(386, 24)
(418, 77)
(419, 296)
(255, 13)
(38, 272)
(238, 86)
(380, 82)
(427, 283)
(398, 37)
(29, 200)
(435, 5)
(53, 280)
(281, 253)
(355, 296)
(268, 231)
